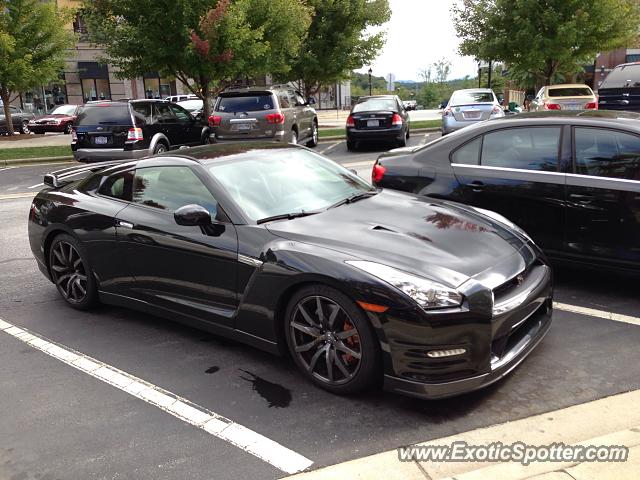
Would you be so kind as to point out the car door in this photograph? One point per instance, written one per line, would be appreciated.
(167, 123)
(304, 114)
(516, 172)
(603, 196)
(186, 269)
(187, 126)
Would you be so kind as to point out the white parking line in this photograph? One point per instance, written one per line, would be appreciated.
(223, 428)
(37, 185)
(359, 164)
(13, 196)
(328, 149)
(592, 312)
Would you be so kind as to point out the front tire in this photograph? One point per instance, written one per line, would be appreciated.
(68, 127)
(331, 340)
(71, 272)
(24, 129)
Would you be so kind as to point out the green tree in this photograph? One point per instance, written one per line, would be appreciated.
(338, 41)
(206, 44)
(544, 39)
(32, 46)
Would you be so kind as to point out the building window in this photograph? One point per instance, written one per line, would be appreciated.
(158, 87)
(634, 57)
(44, 99)
(94, 79)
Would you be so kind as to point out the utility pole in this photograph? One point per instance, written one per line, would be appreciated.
(479, 76)
(490, 68)
(370, 72)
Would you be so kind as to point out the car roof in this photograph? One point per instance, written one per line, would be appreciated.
(587, 117)
(206, 154)
(482, 90)
(568, 85)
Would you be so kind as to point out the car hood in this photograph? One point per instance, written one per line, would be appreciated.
(52, 117)
(428, 237)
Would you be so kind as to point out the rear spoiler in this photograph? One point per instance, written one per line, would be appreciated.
(60, 178)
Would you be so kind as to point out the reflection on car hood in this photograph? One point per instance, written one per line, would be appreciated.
(52, 116)
(424, 236)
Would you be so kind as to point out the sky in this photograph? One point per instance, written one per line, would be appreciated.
(419, 33)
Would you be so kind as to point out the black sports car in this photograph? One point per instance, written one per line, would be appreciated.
(570, 179)
(281, 248)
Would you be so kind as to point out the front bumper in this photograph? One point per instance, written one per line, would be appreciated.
(103, 154)
(45, 127)
(497, 329)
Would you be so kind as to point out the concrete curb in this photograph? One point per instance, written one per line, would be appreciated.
(10, 162)
(416, 130)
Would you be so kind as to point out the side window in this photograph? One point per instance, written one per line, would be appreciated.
(169, 188)
(607, 153)
(468, 154)
(283, 99)
(141, 113)
(299, 98)
(118, 186)
(162, 113)
(182, 115)
(540, 92)
(533, 148)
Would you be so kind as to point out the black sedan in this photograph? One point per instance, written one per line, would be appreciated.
(283, 249)
(571, 180)
(378, 118)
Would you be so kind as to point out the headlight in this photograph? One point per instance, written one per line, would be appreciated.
(500, 219)
(426, 293)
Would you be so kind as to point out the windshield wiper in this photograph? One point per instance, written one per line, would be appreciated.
(286, 216)
(355, 197)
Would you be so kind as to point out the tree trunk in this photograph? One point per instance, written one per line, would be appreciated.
(5, 94)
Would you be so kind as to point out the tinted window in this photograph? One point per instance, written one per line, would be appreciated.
(374, 104)
(607, 153)
(534, 148)
(468, 154)
(465, 98)
(570, 92)
(623, 76)
(169, 188)
(111, 114)
(244, 103)
(192, 105)
(142, 113)
(181, 114)
(162, 113)
(118, 186)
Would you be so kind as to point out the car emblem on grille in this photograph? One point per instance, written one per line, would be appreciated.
(520, 279)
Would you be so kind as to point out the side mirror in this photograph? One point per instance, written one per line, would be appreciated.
(311, 101)
(192, 216)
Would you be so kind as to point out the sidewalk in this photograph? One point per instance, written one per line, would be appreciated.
(50, 140)
(613, 420)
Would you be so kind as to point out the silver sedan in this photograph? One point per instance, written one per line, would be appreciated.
(467, 107)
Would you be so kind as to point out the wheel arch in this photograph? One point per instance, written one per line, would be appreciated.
(158, 138)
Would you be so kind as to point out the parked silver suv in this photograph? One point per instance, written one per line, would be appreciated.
(277, 113)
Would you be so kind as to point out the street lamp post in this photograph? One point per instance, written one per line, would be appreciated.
(370, 72)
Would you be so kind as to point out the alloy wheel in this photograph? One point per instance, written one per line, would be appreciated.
(325, 340)
(68, 272)
(25, 128)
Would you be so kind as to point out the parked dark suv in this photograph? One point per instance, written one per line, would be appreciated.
(277, 113)
(133, 129)
(621, 89)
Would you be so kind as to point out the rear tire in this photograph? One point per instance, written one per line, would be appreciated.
(68, 127)
(160, 148)
(71, 272)
(294, 137)
(314, 136)
(331, 340)
(24, 129)
(351, 146)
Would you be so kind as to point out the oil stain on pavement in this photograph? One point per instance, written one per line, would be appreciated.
(275, 395)
(213, 369)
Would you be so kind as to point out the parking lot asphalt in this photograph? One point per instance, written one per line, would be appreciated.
(59, 422)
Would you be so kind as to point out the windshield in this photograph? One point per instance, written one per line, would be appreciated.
(245, 103)
(64, 110)
(111, 113)
(465, 98)
(623, 76)
(570, 92)
(374, 104)
(277, 182)
(191, 105)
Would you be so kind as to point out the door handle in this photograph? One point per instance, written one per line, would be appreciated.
(476, 186)
(120, 223)
(581, 198)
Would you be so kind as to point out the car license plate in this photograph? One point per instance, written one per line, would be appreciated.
(100, 140)
(244, 126)
(373, 123)
(472, 115)
(573, 106)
